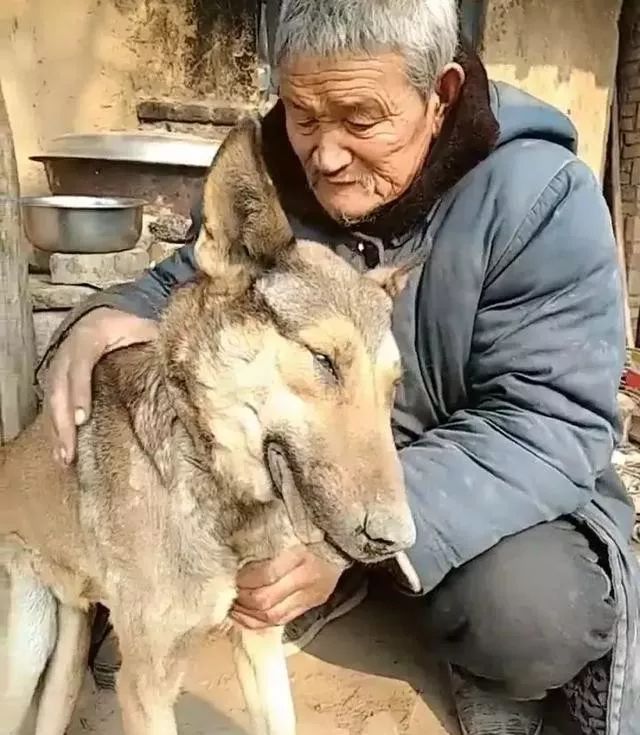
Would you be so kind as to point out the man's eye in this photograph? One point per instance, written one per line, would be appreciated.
(326, 364)
(360, 125)
(306, 123)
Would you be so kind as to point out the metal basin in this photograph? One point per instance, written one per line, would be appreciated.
(168, 149)
(164, 169)
(81, 224)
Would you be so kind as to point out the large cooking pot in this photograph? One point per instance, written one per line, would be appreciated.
(164, 169)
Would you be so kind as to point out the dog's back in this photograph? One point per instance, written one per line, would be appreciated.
(52, 516)
(39, 499)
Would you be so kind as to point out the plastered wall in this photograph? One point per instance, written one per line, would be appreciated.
(81, 65)
(563, 51)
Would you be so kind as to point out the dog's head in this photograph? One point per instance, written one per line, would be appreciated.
(282, 364)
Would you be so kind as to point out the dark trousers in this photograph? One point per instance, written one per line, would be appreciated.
(528, 615)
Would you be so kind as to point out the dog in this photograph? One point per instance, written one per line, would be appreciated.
(259, 419)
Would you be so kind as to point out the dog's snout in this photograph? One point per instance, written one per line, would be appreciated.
(389, 529)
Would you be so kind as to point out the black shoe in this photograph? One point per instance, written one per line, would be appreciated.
(587, 697)
(486, 713)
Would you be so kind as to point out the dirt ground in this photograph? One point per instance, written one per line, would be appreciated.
(366, 674)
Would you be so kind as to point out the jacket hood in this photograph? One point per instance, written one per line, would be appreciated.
(520, 115)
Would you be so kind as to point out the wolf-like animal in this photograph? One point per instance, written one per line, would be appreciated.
(260, 418)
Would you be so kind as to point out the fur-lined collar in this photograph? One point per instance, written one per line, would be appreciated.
(469, 135)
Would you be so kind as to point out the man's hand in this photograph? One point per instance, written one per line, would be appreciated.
(277, 591)
(67, 400)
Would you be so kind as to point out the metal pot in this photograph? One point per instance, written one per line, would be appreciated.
(80, 224)
(166, 170)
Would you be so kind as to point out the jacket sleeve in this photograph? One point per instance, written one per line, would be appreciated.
(542, 378)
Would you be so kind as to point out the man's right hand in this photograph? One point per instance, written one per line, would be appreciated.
(68, 385)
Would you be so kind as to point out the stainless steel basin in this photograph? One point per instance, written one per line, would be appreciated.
(167, 149)
(82, 224)
(164, 169)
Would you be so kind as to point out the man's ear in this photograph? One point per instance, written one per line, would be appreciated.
(393, 279)
(243, 224)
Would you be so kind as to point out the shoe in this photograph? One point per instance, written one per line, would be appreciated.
(350, 592)
(485, 713)
(587, 697)
(104, 655)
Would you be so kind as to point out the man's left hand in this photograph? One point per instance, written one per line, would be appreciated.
(277, 591)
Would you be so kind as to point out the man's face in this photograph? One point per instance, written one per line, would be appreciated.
(360, 129)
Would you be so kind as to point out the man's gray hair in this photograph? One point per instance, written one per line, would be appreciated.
(424, 32)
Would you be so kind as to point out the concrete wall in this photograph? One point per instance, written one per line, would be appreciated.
(81, 65)
(563, 51)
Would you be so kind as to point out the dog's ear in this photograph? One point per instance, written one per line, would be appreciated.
(243, 223)
(393, 279)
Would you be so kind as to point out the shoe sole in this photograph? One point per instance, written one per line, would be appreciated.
(294, 647)
(464, 730)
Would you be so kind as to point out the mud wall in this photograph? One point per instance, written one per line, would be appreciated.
(563, 51)
(82, 65)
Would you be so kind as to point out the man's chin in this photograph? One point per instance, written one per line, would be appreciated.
(349, 215)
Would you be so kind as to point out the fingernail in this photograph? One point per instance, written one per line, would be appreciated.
(80, 416)
(63, 455)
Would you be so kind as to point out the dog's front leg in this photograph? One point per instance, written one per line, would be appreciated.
(148, 682)
(146, 700)
(262, 671)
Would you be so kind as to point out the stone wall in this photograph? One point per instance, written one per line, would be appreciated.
(60, 281)
(629, 81)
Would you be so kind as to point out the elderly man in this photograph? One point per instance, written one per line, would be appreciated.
(387, 140)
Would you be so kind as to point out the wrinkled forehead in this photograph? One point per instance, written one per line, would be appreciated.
(348, 305)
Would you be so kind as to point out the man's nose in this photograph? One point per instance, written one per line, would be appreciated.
(330, 157)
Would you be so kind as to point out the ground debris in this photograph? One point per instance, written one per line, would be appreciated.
(626, 459)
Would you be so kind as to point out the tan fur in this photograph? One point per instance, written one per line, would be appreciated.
(278, 350)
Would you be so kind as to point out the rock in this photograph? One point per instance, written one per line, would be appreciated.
(380, 724)
(171, 228)
(626, 408)
(45, 324)
(98, 269)
(161, 250)
(39, 260)
(46, 295)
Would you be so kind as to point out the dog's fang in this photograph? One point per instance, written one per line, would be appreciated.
(410, 574)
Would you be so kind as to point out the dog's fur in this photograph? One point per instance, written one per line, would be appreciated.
(259, 419)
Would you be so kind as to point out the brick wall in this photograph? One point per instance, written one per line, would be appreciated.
(629, 91)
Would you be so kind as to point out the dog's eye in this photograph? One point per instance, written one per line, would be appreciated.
(326, 363)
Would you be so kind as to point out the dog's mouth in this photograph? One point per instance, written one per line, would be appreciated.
(305, 529)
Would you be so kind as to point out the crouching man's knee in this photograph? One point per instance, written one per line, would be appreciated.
(528, 614)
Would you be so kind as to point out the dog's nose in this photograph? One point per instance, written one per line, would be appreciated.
(390, 529)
